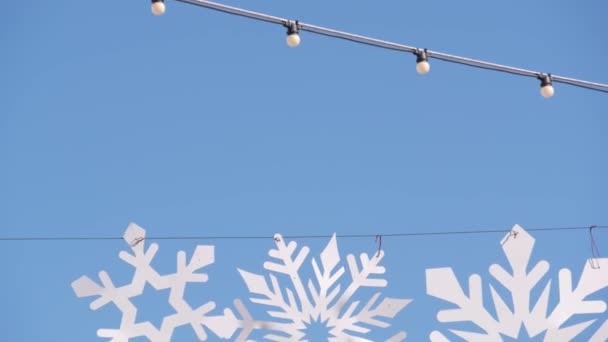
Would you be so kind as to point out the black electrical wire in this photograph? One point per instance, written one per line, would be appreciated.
(260, 237)
(583, 86)
(395, 46)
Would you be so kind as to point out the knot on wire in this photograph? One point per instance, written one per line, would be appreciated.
(137, 241)
(512, 234)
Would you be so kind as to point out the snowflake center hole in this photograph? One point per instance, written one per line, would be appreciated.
(152, 306)
(317, 330)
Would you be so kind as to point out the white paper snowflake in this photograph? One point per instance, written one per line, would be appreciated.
(518, 246)
(321, 301)
(145, 273)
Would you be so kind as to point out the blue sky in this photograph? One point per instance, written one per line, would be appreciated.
(200, 123)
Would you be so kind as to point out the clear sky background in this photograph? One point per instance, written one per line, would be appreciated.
(201, 123)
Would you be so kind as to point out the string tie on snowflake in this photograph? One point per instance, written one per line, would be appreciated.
(595, 252)
(136, 241)
(379, 241)
(511, 234)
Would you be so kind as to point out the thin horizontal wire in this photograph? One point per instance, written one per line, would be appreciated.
(395, 46)
(260, 237)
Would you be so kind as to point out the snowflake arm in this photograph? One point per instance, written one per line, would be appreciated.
(442, 283)
(397, 337)
(330, 258)
(290, 267)
(247, 325)
(272, 297)
(601, 335)
(518, 246)
(360, 278)
(572, 301)
(388, 308)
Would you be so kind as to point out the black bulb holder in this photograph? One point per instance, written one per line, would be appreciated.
(421, 55)
(545, 80)
(293, 27)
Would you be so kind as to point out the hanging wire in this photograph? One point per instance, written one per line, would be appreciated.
(600, 87)
(262, 237)
(595, 252)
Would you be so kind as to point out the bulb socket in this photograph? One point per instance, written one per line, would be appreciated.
(421, 55)
(293, 27)
(545, 80)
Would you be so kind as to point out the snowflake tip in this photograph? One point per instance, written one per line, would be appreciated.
(203, 256)
(402, 335)
(223, 326)
(330, 256)
(116, 335)
(436, 336)
(255, 283)
(85, 287)
(442, 283)
(134, 234)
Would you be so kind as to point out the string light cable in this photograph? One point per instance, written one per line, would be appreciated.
(262, 237)
(294, 27)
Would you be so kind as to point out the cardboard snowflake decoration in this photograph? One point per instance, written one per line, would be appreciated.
(319, 301)
(145, 274)
(518, 246)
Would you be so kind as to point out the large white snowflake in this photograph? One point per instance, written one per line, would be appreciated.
(518, 246)
(145, 273)
(320, 301)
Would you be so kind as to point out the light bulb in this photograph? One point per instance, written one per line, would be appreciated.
(546, 86)
(158, 7)
(423, 67)
(547, 91)
(293, 40)
(422, 61)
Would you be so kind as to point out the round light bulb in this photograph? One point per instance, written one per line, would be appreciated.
(547, 91)
(158, 8)
(293, 40)
(423, 67)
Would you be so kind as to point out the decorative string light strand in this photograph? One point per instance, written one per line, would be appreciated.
(261, 237)
(423, 67)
